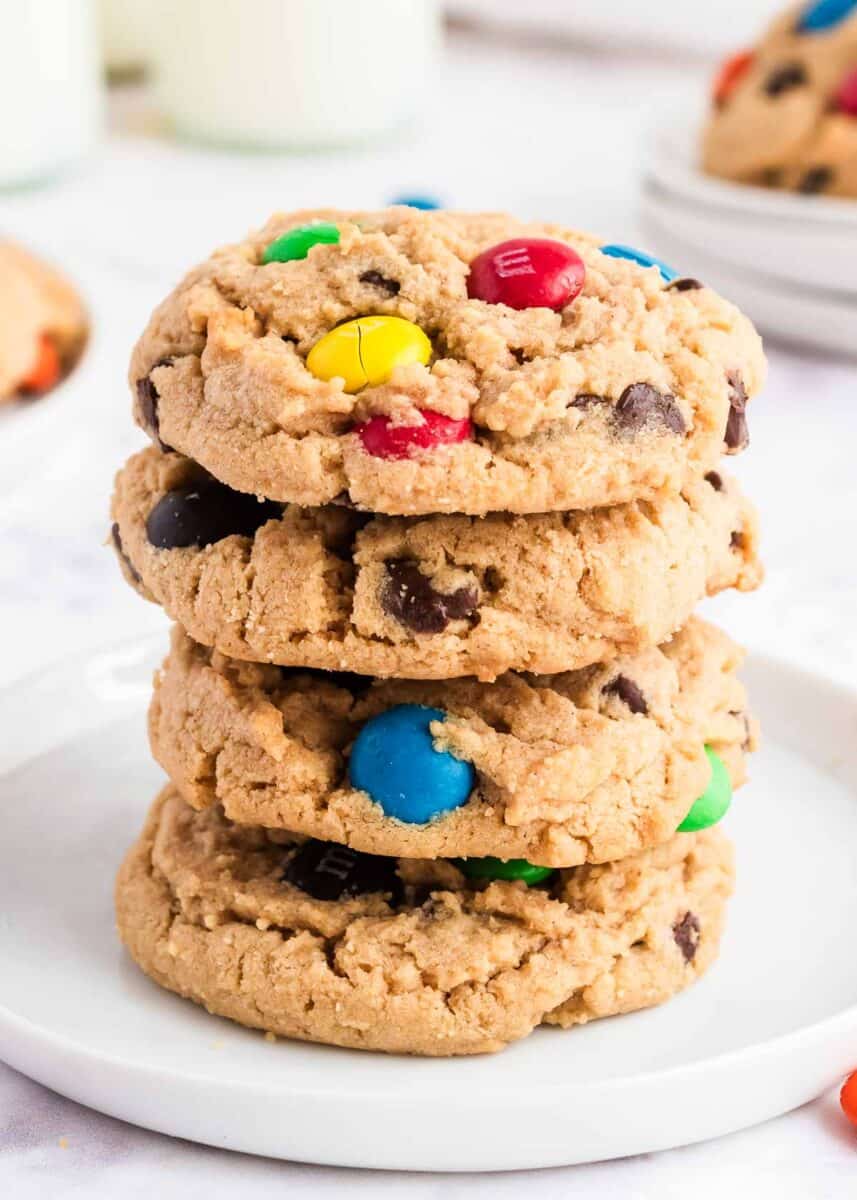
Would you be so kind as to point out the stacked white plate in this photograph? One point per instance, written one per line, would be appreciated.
(789, 261)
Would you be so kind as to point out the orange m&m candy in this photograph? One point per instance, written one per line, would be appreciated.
(848, 1098)
(730, 75)
(46, 370)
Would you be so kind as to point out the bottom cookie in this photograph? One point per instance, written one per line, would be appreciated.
(311, 940)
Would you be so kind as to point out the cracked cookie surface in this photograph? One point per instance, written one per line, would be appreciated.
(586, 766)
(789, 119)
(620, 394)
(410, 957)
(36, 303)
(428, 598)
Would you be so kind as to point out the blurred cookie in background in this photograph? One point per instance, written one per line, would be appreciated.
(785, 113)
(43, 325)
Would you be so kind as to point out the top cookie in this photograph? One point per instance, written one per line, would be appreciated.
(42, 324)
(506, 366)
(785, 113)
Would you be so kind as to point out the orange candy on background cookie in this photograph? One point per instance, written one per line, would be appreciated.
(848, 1098)
(46, 370)
(730, 75)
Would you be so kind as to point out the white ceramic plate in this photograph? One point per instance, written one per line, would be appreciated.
(789, 242)
(670, 24)
(805, 315)
(773, 1024)
(821, 257)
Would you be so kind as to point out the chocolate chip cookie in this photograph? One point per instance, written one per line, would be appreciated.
(320, 943)
(585, 766)
(785, 113)
(412, 362)
(428, 598)
(42, 325)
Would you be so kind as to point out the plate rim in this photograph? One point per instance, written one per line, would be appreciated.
(126, 1087)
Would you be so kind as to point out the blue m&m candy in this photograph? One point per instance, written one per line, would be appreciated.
(614, 250)
(395, 761)
(423, 203)
(824, 14)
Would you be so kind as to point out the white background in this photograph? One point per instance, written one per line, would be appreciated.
(532, 129)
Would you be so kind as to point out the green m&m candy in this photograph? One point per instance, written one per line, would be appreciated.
(714, 801)
(296, 243)
(498, 868)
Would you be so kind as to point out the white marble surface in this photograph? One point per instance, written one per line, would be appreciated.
(537, 133)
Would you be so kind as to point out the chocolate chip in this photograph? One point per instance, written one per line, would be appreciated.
(328, 871)
(147, 403)
(739, 714)
(120, 550)
(205, 512)
(817, 179)
(784, 78)
(391, 286)
(737, 541)
(643, 407)
(357, 685)
(628, 693)
(737, 435)
(715, 480)
(409, 596)
(686, 933)
(685, 285)
(587, 400)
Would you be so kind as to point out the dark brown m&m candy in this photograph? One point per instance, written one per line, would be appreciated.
(328, 871)
(202, 513)
(527, 273)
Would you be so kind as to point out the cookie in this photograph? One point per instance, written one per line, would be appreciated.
(435, 597)
(586, 766)
(42, 325)
(323, 944)
(785, 114)
(431, 362)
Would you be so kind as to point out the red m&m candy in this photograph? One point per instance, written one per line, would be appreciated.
(527, 273)
(730, 75)
(846, 94)
(382, 439)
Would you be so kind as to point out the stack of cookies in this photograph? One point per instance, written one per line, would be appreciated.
(431, 500)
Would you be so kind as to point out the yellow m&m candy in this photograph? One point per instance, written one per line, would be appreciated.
(365, 351)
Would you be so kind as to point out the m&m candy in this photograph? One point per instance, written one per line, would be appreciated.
(507, 869)
(824, 14)
(616, 250)
(296, 243)
(714, 802)
(730, 75)
(527, 273)
(45, 371)
(846, 94)
(394, 761)
(367, 350)
(848, 1098)
(383, 439)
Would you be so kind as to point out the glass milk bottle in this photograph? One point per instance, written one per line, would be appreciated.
(292, 73)
(50, 87)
